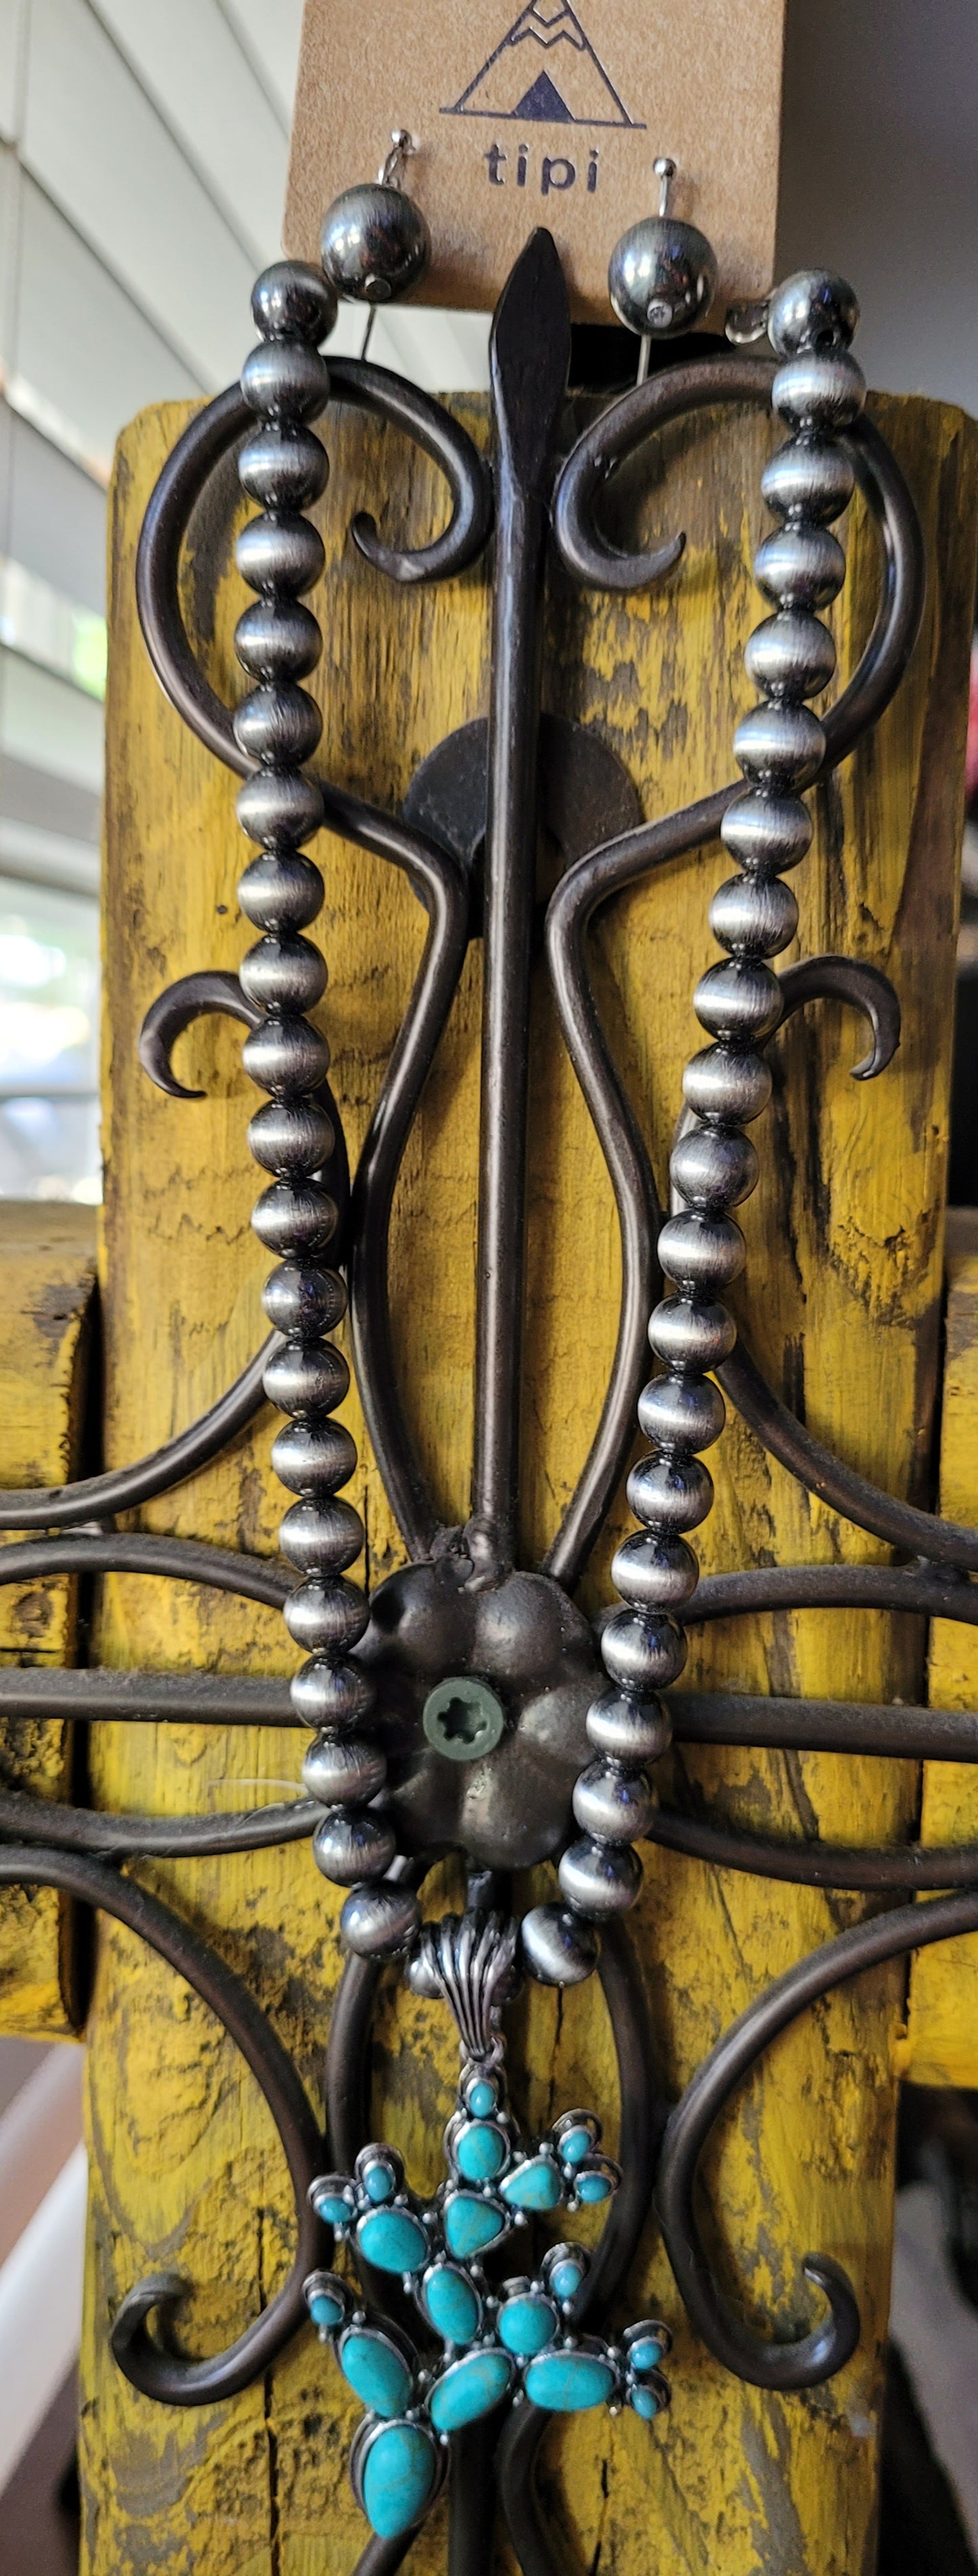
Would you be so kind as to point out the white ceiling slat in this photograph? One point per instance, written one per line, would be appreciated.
(95, 143)
(13, 21)
(189, 60)
(83, 358)
(49, 725)
(56, 514)
(270, 31)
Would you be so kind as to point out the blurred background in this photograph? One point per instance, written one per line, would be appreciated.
(142, 169)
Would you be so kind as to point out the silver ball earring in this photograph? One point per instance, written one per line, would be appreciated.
(662, 274)
(375, 243)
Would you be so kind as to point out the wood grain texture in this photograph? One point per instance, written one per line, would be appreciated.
(47, 1282)
(842, 1291)
(941, 2044)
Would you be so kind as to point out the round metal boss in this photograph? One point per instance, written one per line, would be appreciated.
(463, 1719)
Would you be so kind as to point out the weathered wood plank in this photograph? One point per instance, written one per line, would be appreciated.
(842, 1291)
(47, 1280)
(941, 2045)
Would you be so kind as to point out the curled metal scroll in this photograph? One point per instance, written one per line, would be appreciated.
(130, 1837)
(159, 2373)
(806, 2360)
(889, 1870)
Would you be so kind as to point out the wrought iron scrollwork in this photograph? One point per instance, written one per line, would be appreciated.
(381, 1801)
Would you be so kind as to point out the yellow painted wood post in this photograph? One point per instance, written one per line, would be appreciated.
(941, 2045)
(47, 1281)
(842, 1290)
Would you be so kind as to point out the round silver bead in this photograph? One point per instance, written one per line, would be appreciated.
(653, 1572)
(679, 1413)
(285, 379)
(304, 1299)
(819, 393)
(379, 1922)
(808, 478)
(306, 1377)
(314, 1458)
(352, 1844)
(278, 639)
(617, 1806)
(790, 655)
(763, 831)
(323, 1533)
(284, 975)
(283, 465)
(334, 1697)
(814, 309)
(278, 722)
(279, 805)
(691, 1332)
(755, 914)
(783, 743)
(294, 1217)
(286, 1055)
(326, 1615)
(727, 1082)
(669, 1493)
(643, 1652)
(701, 1251)
(627, 1729)
(291, 1137)
(600, 1880)
(662, 276)
(713, 1167)
(374, 243)
(421, 1975)
(284, 554)
(291, 300)
(739, 999)
(800, 567)
(343, 1771)
(557, 1948)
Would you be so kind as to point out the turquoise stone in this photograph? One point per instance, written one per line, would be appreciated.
(376, 2371)
(567, 2382)
(482, 2097)
(468, 2389)
(452, 2304)
(646, 2354)
(566, 2278)
(378, 2183)
(326, 2311)
(336, 2211)
(470, 2224)
(593, 2186)
(527, 2325)
(398, 2476)
(645, 2403)
(393, 2239)
(481, 2151)
(533, 2185)
(574, 2145)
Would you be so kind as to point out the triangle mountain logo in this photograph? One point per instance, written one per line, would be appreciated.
(546, 71)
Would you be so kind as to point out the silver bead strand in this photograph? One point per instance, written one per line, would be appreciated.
(284, 466)
(779, 747)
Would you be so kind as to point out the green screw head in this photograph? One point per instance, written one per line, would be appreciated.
(463, 1719)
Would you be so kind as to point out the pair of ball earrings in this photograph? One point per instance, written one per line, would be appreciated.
(375, 244)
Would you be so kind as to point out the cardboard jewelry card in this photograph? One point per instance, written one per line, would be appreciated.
(550, 113)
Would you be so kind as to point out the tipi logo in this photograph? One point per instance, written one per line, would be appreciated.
(545, 70)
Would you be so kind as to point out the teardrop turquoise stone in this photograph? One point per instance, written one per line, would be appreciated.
(646, 2354)
(398, 2476)
(326, 2310)
(566, 2278)
(481, 2151)
(452, 2304)
(533, 2185)
(593, 2186)
(393, 2239)
(575, 2145)
(335, 2211)
(645, 2403)
(526, 2326)
(378, 2183)
(482, 2097)
(470, 2224)
(568, 2382)
(470, 2388)
(376, 2371)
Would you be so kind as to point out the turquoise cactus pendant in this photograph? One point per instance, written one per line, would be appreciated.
(514, 2340)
